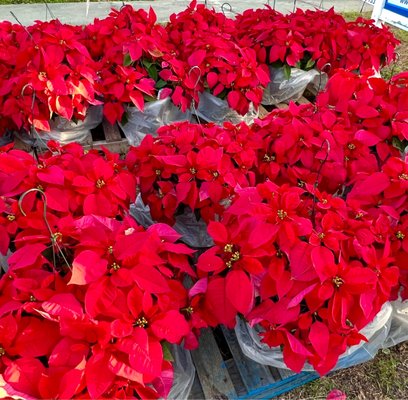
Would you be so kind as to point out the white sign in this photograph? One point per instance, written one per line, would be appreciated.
(394, 12)
(372, 2)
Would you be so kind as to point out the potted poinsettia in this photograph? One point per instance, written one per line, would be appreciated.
(51, 83)
(135, 71)
(226, 77)
(68, 259)
(316, 255)
(194, 167)
(299, 46)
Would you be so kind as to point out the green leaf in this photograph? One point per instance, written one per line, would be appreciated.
(287, 70)
(310, 64)
(147, 64)
(276, 64)
(399, 144)
(149, 98)
(166, 352)
(127, 60)
(125, 118)
(152, 71)
(160, 84)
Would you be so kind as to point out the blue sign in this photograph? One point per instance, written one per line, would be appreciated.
(399, 7)
(395, 12)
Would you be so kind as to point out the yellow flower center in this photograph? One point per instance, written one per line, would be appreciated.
(228, 248)
(141, 322)
(56, 237)
(268, 158)
(400, 235)
(403, 177)
(100, 183)
(321, 236)
(188, 310)
(2, 352)
(115, 266)
(338, 281)
(282, 214)
(235, 256)
(11, 217)
(351, 146)
(193, 170)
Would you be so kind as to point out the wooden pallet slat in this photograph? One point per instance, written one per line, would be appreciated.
(214, 377)
(112, 133)
(253, 375)
(236, 376)
(303, 100)
(196, 391)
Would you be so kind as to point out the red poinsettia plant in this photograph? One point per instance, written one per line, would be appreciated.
(52, 69)
(204, 40)
(128, 47)
(308, 38)
(311, 255)
(195, 166)
(96, 296)
(49, 74)
(307, 208)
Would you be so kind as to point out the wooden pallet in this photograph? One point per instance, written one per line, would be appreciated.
(223, 372)
(113, 141)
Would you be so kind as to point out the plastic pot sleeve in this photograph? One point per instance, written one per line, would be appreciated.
(4, 262)
(214, 109)
(184, 373)
(376, 332)
(282, 90)
(141, 212)
(65, 131)
(156, 114)
(399, 324)
(194, 233)
(6, 139)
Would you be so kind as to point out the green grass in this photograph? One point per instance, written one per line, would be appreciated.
(384, 378)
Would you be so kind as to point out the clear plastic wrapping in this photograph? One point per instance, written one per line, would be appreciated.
(141, 212)
(184, 373)
(282, 90)
(156, 114)
(214, 109)
(194, 233)
(376, 332)
(6, 139)
(65, 131)
(4, 262)
(399, 324)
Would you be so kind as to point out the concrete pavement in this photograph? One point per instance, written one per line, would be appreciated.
(75, 13)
